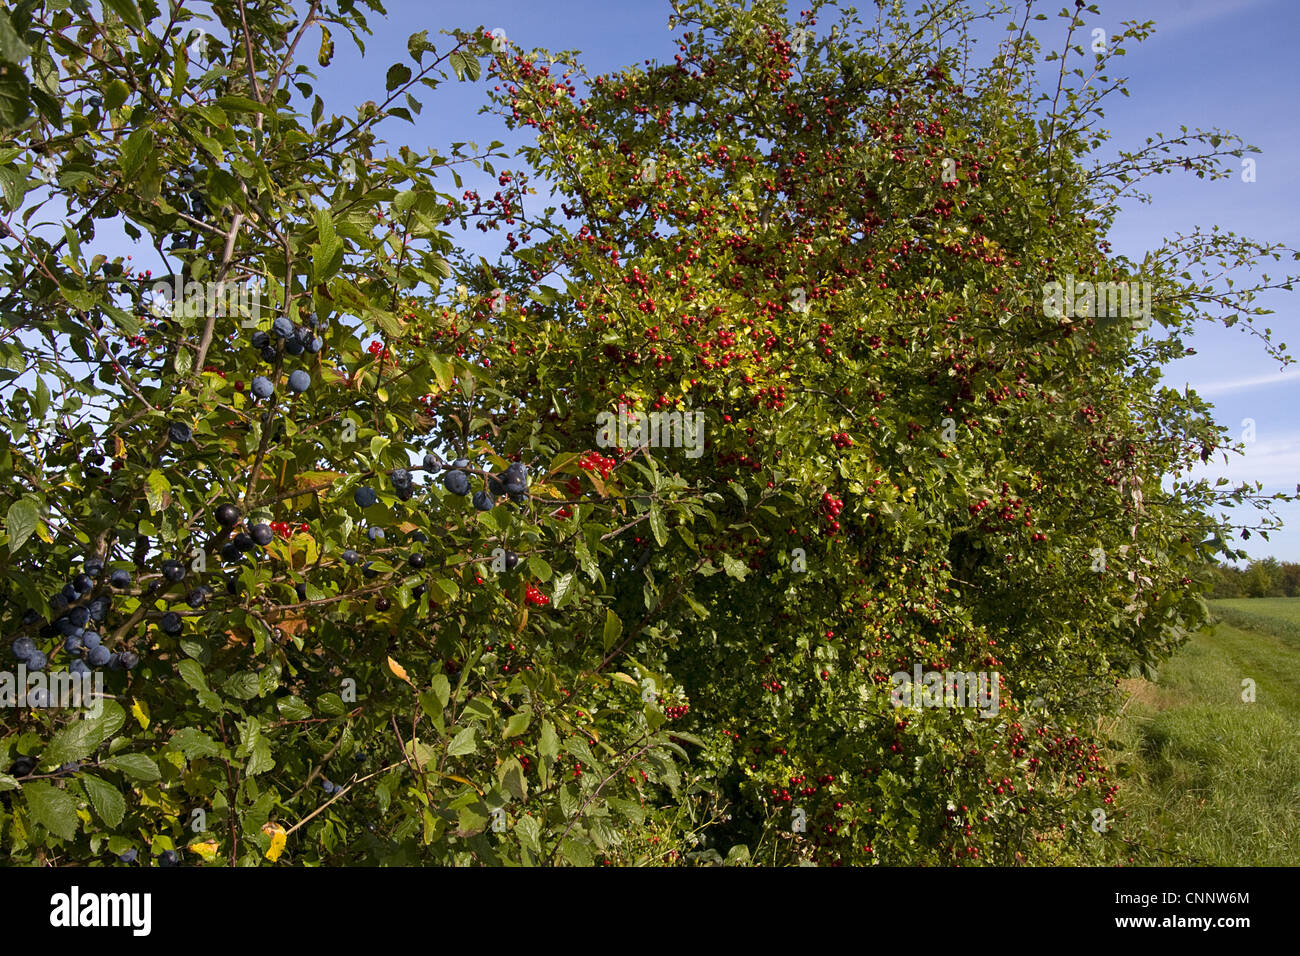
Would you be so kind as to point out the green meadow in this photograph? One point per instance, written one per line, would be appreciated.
(1208, 778)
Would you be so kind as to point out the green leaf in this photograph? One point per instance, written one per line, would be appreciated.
(135, 150)
(563, 591)
(193, 743)
(243, 685)
(735, 569)
(448, 589)
(293, 708)
(442, 371)
(657, 524)
(15, 95)
(398, 74)
(128, 11)
(41, 400)
(105, 798)
(511, 778)
(14, 187)
(418, 44)
(260, 760)
(613, 629)
(331, 705)
(11, 47)
(115, 94)
(463, 743)
(157, 490)
(79, 739)
(549, 744)
(20, 522)
(540, 569)
(235, 104)
(52, 808)
(191, 672)
(738, 855)
(577, 852)
(441, 688)
(517, 724)
(327, 254)
(134, 765)
(529, 830)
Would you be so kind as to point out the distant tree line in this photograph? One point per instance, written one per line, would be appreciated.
(1267, 577)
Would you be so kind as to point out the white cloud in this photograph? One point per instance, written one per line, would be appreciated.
(1195, 13)
(1241, 384)
(1275, 463)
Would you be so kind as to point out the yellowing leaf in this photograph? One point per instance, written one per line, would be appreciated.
(278, 838)
(399, 671)
(140, 712)
(208, 849)
(468, 783)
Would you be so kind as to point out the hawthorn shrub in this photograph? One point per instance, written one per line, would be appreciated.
(369, 577)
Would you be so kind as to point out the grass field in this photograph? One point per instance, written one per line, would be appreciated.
(1207, 778)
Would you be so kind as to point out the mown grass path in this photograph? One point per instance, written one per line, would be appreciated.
(1207, 777)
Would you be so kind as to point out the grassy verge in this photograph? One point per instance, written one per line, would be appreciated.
(1207, 777)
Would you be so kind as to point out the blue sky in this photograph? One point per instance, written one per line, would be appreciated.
(1211, 63)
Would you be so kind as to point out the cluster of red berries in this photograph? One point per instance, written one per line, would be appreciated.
(676, 712)
(534, 596)
(377, 348)
(595, 461)
(773, 396)
(284, 529)
(833, 508)
(801, 788)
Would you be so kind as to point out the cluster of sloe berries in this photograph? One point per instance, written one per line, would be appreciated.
(79, 611)
(513, 482)
(295, 340)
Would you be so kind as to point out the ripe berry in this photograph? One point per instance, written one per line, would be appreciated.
(457, 482)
